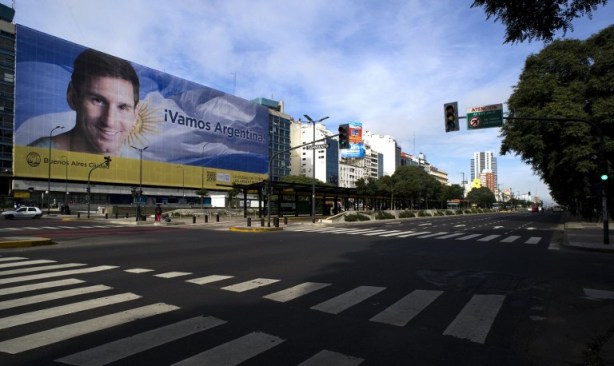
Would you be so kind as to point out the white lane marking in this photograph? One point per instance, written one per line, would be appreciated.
(390, 233)
(50, 227)
(29, 228)
(67, 227)
(476, 318)
(122, 348)
(471, 236)
(39, 286)
(413, 234)
(489, 237)
(594, 294)
(404, 310)
(249, 285)
(348, 299)
(172, 274)
(460, 225)
(374, 232)
(510, 239)
(357, 231)
(326, 357)
(399, 233)
(426, 224)
(25, 263)
(34, 316)
(234, 352)
(55, 274)
(8, 304)
(41, 268)
(138, 270)
(453, 235)
(533, 240)
(432, 235)
(365, 231)
(296, 291)
(208, 279)
(51, 336)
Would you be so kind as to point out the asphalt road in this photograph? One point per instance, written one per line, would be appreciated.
(462, 290)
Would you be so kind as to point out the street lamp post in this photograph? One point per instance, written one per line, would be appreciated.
(182, 181)
(49, 167)
(107, 162)
(65, 179)
(140, 150)
(313, 169)
(202, 180)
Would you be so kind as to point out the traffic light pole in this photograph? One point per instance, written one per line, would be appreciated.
(602, 163)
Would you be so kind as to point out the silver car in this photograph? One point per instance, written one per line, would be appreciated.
(25, 212)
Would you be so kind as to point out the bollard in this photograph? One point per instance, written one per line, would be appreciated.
(106, 216)
(206, 218)
(262, 222)
(217, 218)
(78, 215)
(126, 215)
(285, 220)
(117, 215)
(249, 221)
(193, 219)
(276, 221)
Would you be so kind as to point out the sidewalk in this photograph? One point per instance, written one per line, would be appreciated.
(587, 236)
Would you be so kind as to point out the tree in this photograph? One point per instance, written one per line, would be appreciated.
(452, 192)
(483, 197)
(536, 19)
(567, 79)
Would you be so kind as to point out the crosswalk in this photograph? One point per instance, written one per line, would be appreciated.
(421, 234)
(44, 284)
(58, 227)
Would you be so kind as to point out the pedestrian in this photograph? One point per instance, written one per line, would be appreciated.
(158, 213)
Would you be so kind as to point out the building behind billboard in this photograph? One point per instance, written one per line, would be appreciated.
(185, 135)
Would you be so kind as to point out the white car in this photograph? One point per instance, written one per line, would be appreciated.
(25, 212)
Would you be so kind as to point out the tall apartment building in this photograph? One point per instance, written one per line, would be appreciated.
(7, 100)
(389, 149)
(326, 154)
(484, 162)
(280, 126)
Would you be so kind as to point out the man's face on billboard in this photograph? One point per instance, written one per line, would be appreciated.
(105, 114)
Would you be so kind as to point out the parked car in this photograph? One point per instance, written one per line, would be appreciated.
(25, 212)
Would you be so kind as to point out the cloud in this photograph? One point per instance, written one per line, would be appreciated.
(391, 65)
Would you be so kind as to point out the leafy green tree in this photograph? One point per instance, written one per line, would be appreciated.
(483, 197)
(414, 184)
(567, 79)
(301, 180)
(451, 192)
(536, 19)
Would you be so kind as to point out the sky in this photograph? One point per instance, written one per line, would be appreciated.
(388, 64)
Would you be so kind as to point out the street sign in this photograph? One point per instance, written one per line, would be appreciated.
(485, 116)
(317, 147)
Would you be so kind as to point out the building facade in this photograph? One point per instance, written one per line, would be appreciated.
(484, 162)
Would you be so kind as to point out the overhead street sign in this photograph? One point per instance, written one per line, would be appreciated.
(317, 147)
(485, 116)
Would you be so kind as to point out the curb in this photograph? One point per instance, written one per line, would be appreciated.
(255, 229)
(23, 241)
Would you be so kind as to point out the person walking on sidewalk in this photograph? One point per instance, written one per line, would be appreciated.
(158, 213)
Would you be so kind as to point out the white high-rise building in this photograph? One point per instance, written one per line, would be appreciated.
(387, 146)
(484, 162)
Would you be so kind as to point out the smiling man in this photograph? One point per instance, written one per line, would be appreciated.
(104, 93)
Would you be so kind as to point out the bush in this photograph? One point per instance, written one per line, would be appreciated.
(406, 214)
(449, 212)
(381, 215)
(356, 217)
(459, 212)
(421, 214)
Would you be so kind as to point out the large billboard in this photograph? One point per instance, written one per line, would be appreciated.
(75, 105)
(357, 146)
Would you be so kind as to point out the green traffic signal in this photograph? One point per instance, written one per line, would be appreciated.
(604, 177)
(344, 136)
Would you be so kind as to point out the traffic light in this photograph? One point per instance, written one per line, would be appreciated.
(107, 161)
(451, 116)
(344, 136)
